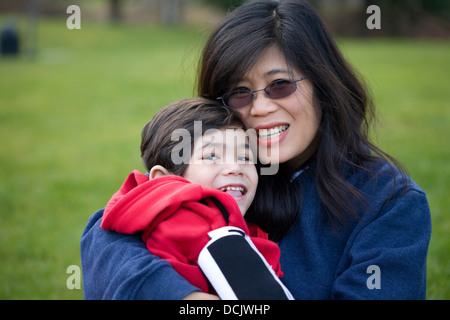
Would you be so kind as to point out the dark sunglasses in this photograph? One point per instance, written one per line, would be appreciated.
(242, 97)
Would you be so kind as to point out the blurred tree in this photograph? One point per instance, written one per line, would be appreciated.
(439, 7)
(115, 10)
(402, 17)
(33, 7)
(170, 11)
(225, 4)
(424, 18)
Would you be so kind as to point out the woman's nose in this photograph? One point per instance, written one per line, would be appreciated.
(262, 105)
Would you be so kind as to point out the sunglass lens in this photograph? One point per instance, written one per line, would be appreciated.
(239, 99)
(280, 89)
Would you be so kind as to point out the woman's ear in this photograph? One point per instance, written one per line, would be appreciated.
(157, 171)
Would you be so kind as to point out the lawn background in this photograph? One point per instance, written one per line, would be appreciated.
(71, 118)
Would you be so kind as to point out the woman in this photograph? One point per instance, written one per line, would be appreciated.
(363, 229)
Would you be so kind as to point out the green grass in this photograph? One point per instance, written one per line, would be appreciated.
(70, 123)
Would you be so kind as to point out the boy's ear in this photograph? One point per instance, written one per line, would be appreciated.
(157, 171)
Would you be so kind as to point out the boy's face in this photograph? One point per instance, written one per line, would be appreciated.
(223, 160)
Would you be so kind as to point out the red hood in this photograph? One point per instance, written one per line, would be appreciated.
(156, 200)
(175, 217)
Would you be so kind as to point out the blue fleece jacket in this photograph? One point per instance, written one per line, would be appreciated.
(380, 255)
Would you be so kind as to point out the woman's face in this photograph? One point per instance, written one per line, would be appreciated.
(286, 127)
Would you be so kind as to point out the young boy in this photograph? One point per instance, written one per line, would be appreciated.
(199, 187)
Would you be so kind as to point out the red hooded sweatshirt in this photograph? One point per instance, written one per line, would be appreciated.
(175, 217)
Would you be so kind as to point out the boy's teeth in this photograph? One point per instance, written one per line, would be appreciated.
(232, 189)
(272, 132)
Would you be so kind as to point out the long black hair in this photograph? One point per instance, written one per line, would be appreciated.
(157, 145)
(339, 95)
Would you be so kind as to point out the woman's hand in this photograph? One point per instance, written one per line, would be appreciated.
(197, 295)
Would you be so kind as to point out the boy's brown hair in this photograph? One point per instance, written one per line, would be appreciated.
(157, 144)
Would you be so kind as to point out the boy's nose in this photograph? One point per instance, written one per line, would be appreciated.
(233, 169)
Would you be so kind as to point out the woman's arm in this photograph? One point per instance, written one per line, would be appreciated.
(387, 259)
(118, 266)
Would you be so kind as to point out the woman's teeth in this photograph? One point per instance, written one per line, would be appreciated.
(272, 132)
